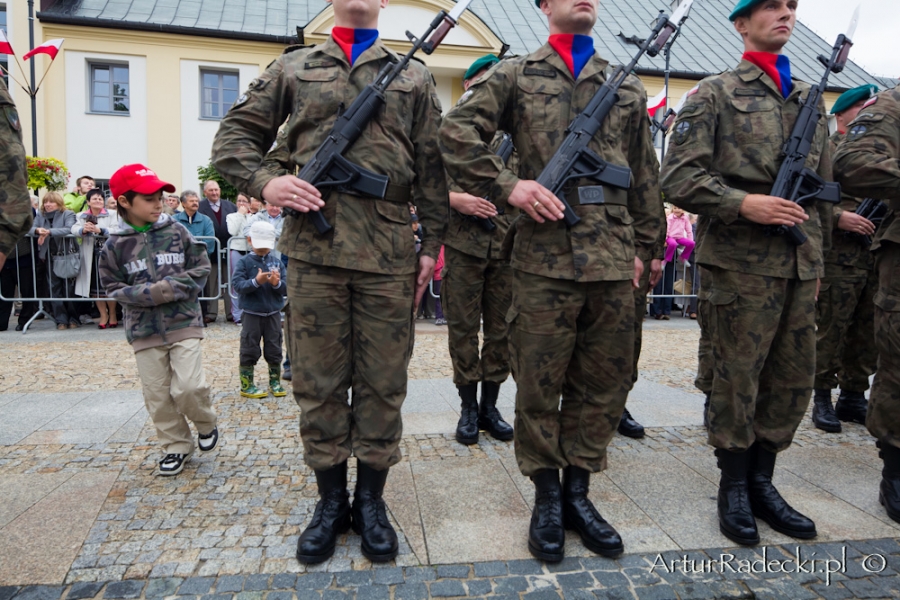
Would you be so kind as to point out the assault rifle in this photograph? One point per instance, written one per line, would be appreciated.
(873, 210)
(796, 182)
(328, 169)
(504, 151)
(574, 160)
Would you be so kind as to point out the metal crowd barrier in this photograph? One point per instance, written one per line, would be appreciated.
(689, 274)
(43, 281)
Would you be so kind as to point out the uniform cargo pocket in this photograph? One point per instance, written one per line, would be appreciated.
(756, 121)
(319, 94)
(540, 102)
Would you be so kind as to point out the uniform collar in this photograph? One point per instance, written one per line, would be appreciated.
(547, 54)
(748, 72)
(376, 52)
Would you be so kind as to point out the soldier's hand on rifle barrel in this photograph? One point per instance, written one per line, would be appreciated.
(468, 204)
(537, 201)
(771, 210)
(854, 223)
(292, 192)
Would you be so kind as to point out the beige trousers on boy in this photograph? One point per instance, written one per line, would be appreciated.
(175, 388)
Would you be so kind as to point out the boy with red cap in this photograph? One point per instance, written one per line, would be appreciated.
(156, 269)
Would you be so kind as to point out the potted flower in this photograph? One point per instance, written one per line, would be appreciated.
(47, 173)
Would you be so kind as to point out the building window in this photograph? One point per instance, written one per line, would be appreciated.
(219, 90)
(110, 92)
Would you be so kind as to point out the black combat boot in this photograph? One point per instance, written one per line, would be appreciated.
(823, 416)
(467, 428)
(331, 518)
(889, 492)
(629, 427)
(706, 412)
(370, 521)
(489, 418)
(765, 501)
(851, 407)
(736, 520)
(546, 536)
(580, 514)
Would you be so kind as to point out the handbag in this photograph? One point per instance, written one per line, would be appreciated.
(67, 261)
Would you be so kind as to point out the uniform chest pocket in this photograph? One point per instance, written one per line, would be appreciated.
(399, 101)
(320, 92)
(756, 121)
(540, 104)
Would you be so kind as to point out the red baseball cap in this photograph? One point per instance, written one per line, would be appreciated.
(137, 178)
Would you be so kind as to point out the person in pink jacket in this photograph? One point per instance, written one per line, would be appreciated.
(679, 233)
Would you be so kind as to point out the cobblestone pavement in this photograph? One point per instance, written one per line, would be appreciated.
(228, 526)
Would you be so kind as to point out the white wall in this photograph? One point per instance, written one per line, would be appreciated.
(397, 19)
(197, 134)
(444, 91)
(97, 145)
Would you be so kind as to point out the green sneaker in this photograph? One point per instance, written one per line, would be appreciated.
(248, 389)
(275, 381)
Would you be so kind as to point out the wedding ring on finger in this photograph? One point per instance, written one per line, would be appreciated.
(537, 205)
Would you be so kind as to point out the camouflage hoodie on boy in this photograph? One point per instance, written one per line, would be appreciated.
(157, 275)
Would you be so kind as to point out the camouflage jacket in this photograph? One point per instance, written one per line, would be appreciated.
(534, 97)
(308, 88)
(725, 145)
(847, 256)
(868, 161)
(16, 215)
(158, 276)
(468, 236)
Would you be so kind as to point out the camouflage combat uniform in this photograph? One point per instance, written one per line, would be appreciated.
(868, 164)
(572, 313)
(845, 311)
(351, 290)
(15, 202)
(477, 285)
(757, 303)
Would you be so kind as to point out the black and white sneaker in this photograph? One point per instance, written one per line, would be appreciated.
(172, 464)
(209, 441)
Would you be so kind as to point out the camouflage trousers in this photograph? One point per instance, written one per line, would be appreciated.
(883, 419)
(762, 334)
(845, 337)
(640, 309)
(704, 379)
(475, 289)
(349, 330)
(576, 341)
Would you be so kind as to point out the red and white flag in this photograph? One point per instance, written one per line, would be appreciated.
(5, 46)
(50, 48)
(657, 102)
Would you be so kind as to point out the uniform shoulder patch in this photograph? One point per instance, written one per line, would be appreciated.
(856, 132)
(464, 98)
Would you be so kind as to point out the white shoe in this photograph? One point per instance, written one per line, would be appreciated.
(209, 441)
(173, 464)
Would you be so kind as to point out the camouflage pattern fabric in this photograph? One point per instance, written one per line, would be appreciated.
(575, 340)
(726, 144)
(867, 164)
(308, 88)
(157, 276)
(474, 290)
(762, 374)
(349, 328)
(533, 97)
(757, 302)
(846, 257)
(15, 202)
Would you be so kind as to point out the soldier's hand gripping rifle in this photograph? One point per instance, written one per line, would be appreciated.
(873, 210)
(328, 169)
(796, 182)
(573, 159)
(504, 151)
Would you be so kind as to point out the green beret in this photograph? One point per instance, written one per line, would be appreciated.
(537, 3)
(743, 8)
(851, 97)
(482, 63)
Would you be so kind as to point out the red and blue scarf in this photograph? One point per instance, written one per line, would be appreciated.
(354, 41)
(776, 66)
(575, 50)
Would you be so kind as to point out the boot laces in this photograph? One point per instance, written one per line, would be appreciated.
(374, 509)
(551, 508)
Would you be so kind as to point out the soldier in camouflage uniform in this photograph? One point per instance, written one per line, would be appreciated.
(477, 285)
(867, 164)
(845, 311)
(352, 290)
(757, 304)
(572, 313)
(15, 203)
